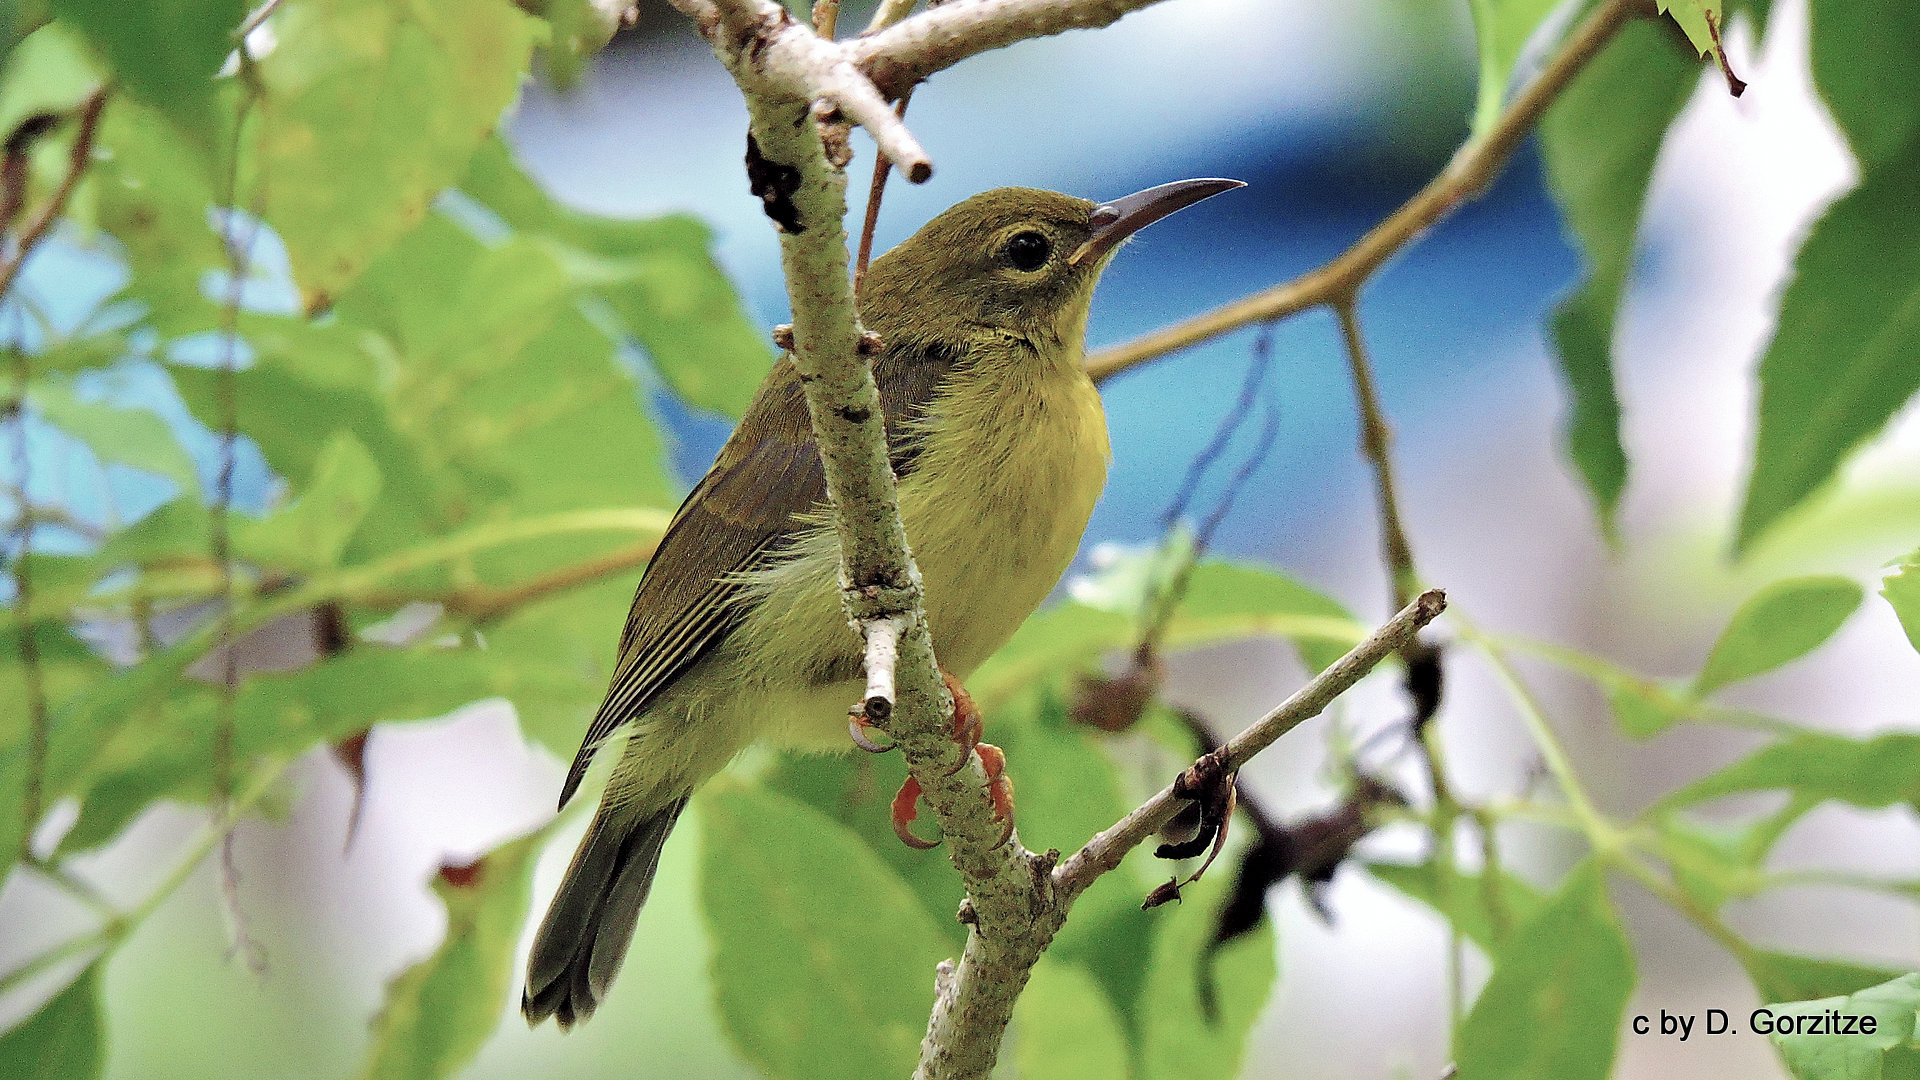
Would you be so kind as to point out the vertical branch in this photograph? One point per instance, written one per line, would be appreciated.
(876, 190)
(1376, 442)
(239, 252)
(38, 735)
(79, 156)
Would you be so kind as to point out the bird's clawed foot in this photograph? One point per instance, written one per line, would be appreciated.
(967, 729)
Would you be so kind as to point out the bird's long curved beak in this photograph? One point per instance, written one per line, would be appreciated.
(1115, 221)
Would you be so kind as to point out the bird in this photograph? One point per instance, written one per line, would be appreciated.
(737, 635)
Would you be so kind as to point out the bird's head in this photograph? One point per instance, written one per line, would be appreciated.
(1018, 260)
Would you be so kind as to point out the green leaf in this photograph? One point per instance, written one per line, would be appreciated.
(1816, 767)
(1485, 919)
(1644, 707)
(577, 30)
(164, 52)
(822, 957)
(312, 532)
(1777, 625)
(1902, 590)
(1714, 862)
(1066, 1028)
(62, 1040)
(50, 70)
(155, 194)
(159, 742)
(128, 436)
(1698, 18)
(440, 1011)
(1841, 361)
(372, 108)
(1220, 587)
(1554, 1002)
(1784, 977)
(1866, 53)
(657, 278)
(1181, 1037)
(68, 669)
(1892, 1051)
(1599, 142)
(1501, 28)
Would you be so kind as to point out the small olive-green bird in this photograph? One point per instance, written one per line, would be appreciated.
(737, 634)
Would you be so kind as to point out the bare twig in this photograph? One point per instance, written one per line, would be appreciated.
(1376, 442)
(942, 36)
(39, 735)
(1104, 851)
(78, 159)
(876, 190)
(1467, 175)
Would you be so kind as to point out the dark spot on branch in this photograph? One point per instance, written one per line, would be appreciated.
(774, 185)
(855, 414)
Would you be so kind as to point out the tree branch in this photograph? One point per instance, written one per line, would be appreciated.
(940, 37)
(78, 158)
(1472, 169)
(1104, 851)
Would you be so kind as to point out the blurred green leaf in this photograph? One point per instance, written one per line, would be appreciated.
(1712, 862)
(116, 433)
(440, 1011)
(1866, 53)
(1784, 977)
(312, 532)
(657, 277)
(577, 30)
(1902, 590)
(1892, 1051)
(62, 1040)
(1777, 625)
(1462, 899)
(161, 743)
(1698, 18)
(1599, 142)
(1198, 1004)
(1501, 28)
(372, 108)
(822, 957)
(1553, 1004)
(1111, 938)
(1841, 361)
(67, 669)
(155, 195)
(1816, 767)
(1067, 1028)
(164, 52)
(1644, 707)
(1220, 587)
(49, 71)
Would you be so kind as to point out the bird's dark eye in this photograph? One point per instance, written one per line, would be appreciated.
(1028, 251)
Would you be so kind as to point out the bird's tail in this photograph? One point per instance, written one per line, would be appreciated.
(587, 930)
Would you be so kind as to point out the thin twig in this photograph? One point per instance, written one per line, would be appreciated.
(78, 159)
(1376, 442)
(1472, 169)
(1104, 851)
(876, 190)
(39, 735)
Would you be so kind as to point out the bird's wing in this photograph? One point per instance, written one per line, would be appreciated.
(755, 498)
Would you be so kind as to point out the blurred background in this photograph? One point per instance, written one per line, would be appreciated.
(1333, 112)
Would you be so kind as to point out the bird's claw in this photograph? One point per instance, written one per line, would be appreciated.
(906, 807)
(967, 729)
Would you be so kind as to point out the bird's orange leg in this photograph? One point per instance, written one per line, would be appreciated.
(967, 729)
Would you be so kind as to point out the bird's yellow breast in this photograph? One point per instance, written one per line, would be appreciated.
(994, 508)
(998, 501)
